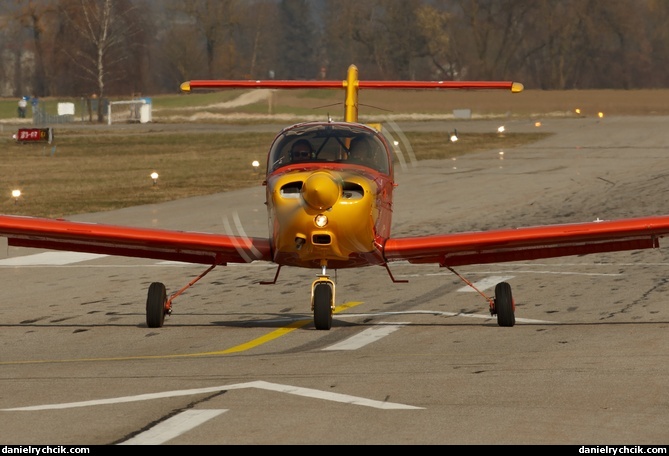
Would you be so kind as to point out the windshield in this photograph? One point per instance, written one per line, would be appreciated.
(331, 142)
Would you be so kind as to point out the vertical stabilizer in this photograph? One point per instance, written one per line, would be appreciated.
(351, 103)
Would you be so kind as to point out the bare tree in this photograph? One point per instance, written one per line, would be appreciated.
(12, 71)
(257, 44)
(213, 24)
(585, 44)
(404, 50)
(625, 55)
(102, 33)
(488, 36)
(114, 46)
(553, 32)
(33, 15)
(655, 21)
(434, 25)
(299, 41)
(184, 58)
(349, 38)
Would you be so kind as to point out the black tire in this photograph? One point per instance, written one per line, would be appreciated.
(155, 305)
(504, 305)
(323, 306)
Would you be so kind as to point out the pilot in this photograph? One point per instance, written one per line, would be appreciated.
(301, 150)
(362, 152)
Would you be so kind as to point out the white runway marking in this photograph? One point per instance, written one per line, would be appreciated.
(173, 427)
(615, 274)
(367, 336)
(483, 284)
(63, 258)
(305, 392)
(439, 312)
(50, 259)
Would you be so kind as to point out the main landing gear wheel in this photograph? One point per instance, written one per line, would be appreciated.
(156, 305)
(504, 305)
(323, 306)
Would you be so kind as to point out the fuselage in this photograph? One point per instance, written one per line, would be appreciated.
(333, 208)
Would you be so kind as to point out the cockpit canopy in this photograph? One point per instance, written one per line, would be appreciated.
(335, 142)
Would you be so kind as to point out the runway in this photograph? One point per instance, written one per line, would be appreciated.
(418, 363)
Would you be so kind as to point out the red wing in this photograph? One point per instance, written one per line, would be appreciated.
(158, 244)
(530, 243)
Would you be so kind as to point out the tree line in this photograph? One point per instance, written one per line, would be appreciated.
(123, 47)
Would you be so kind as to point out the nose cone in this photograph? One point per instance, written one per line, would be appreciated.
(321, 191)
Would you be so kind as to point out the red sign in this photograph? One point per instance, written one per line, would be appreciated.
(35, 135)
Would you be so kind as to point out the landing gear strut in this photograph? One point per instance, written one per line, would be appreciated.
(157, 303)
(501, 305)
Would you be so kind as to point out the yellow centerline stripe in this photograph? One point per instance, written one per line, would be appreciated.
(264, 339)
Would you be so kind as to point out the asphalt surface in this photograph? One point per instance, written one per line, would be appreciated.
(405, 363)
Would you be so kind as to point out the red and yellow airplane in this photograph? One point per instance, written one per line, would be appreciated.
(329, 197)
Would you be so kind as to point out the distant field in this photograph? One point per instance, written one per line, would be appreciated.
(86, 171)
(101, 168)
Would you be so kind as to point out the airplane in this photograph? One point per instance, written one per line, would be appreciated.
(329, 197)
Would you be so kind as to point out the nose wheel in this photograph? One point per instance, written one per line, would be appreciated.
(322, 303)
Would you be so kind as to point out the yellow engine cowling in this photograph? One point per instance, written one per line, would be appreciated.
(298, 199)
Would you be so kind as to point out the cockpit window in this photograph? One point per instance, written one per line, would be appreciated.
(365, 151)
(338, 143)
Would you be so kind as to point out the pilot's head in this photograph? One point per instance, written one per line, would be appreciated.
(362, 151)
(301, 150)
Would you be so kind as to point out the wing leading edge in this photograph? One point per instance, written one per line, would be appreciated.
(185, 246)
(494, 246)
(529, 243)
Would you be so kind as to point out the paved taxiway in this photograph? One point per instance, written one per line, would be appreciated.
(405, 363)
